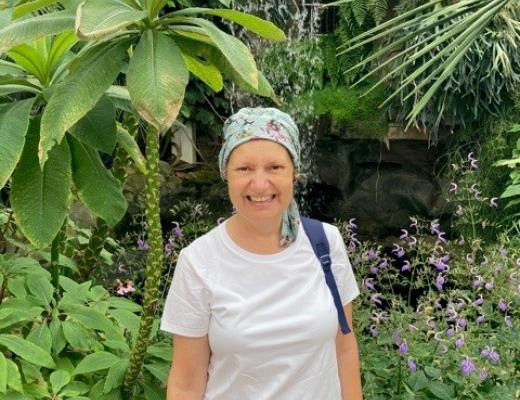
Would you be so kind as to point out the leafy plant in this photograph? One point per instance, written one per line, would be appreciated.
(437, 55)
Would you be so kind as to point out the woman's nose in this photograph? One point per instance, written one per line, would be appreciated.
(259, 182)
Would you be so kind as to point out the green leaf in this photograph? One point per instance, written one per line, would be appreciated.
(128, 143)
(157, 79)
(159, 370)
(14, 122)
(92, 319)
(124, 304)
(75, 389)
(14, 379)
(61, 44)
(30, 6)
(3, 373)
(161, 350)
(32, 60)
(31, 29)
(442, 391)
(95, 362)
(512, 190)
(236, 52)
(152, 392)
(115, 376)
(205, 71)
(41, 336)
(256, 25)
(127, 320)
(417, 381)
(40, 198)
(79, 92)
(98, 127)
(117, 345)
(121, 98)
(98, 18)
(97, 187)
(59, 379)
(77, 336)
(40, 286)
(58, 339)
(27, 350)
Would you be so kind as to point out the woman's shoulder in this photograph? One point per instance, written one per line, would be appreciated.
(204, 243)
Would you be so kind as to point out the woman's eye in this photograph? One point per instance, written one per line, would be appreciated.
(243, 169)
(277, 167)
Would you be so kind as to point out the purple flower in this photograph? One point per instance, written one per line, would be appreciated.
(403, 348)
(493, 202)
(168, 249)
(371, 254)
(383, 264)
(503, 251)
(404, 234)
(508, 321)
(440, 237)
(373, 269)
(483, 374)
(459, 342)
(484, 353)
(142, 245)
(453, 188)
(367, 282)
(375, 299)
(518, 262)
(443, 349)
(477, 281)
(198, 209)
(176, 230)
(467, 366)
(494, 357)
(440, 281)
(484, 261)
(406, 266)
(502, 306)
(462, 323)
(435, 227)
(489, 285)
(460, 211)
(473, 161)
(431, 322)
(412, 242)
(474, 189)
(479, 301)
(373, 330)
(414, 223)
(411, 365)
(450, 332)
(398, 251)
(480, 319)
(469, 259)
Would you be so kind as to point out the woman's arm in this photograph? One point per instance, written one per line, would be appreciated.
(189, 372)
(348, 361)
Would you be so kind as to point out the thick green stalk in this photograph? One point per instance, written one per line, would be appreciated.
(154, 261)
(55, 259)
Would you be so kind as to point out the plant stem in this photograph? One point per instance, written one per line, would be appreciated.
(153, 263)
(55, 259)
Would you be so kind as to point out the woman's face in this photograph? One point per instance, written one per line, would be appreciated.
(260, 176)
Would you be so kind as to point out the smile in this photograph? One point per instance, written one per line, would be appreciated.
(261, 199)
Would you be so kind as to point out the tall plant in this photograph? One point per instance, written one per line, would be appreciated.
(447, 63)
(162, 49)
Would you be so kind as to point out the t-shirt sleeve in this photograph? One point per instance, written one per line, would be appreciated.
(186, 311)
(342, 269)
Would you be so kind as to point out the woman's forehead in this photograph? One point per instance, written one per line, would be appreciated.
(260, 149)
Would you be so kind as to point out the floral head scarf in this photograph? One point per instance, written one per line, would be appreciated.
(270, 124)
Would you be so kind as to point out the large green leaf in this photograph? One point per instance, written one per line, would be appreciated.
(77, 336)
(157, 79)
(95, 362)
(59, 379)
(14, 379)
(40, 286)
(14, 122)
(42, 337)
(27, 350)
(205, 71)
(256, 25)
(97, 187)
(236, 52)
(99, 18)
(40, 198)
(30, 6)
(115, 376)
(98, 127)
(79, 92)
(31, 29)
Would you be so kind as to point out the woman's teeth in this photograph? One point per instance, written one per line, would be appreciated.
(259, 199)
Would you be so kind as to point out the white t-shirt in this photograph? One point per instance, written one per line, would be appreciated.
(270, 319)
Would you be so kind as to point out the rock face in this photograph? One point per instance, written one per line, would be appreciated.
(381, 187)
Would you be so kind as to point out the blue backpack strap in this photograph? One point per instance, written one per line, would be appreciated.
(314, 230)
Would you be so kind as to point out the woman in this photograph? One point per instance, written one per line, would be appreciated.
(251, 314)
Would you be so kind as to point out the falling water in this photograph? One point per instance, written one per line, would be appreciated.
(294, 69)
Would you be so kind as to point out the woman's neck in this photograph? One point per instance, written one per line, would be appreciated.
(256, 237)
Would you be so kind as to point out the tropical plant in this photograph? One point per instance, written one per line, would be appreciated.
(162, 48)
(512, 191)
(449, 64)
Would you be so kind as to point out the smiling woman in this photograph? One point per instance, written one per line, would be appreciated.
(249, 306)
